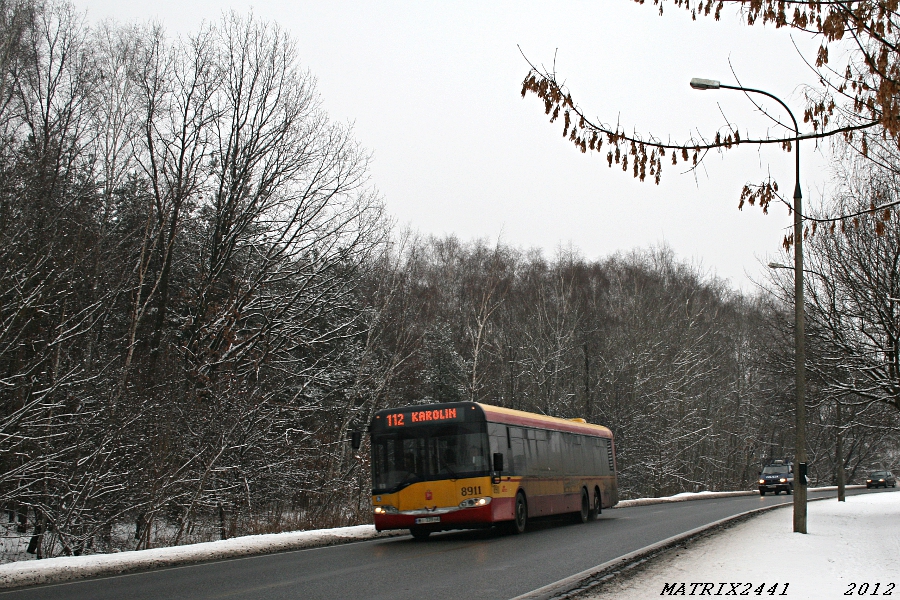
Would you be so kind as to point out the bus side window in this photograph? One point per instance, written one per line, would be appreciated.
(535, 460)
(582, 460)
(599, 457)
(532, 464)
(517, 451)
(587, 456)
(569, 450)
(497, 438)
(556, 456)
(590, 456)
(498, 446)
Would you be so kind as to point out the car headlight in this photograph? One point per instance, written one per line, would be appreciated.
(473, 502)
(783, 480)
(385, 510)
(762, 480)
(881, 480)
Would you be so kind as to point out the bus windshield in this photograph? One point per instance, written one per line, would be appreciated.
(425, 453)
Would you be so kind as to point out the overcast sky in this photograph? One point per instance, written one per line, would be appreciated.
(433, 90)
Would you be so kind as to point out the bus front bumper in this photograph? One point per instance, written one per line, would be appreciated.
(451, 517)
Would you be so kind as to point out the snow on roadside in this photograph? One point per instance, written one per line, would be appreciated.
(707, 495)
(681, 498)
(849, 544)
(67, 568)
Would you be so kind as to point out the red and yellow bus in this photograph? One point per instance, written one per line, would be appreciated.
(466, 465)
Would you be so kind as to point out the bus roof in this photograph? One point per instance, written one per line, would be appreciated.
(498, 414)
(411, 416)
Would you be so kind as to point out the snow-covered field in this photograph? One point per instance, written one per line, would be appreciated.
(852, 548)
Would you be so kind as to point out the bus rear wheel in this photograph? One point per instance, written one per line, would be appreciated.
(596, 509)
(582, 515)
(419, 533)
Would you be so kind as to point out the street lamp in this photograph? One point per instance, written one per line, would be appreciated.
(799, 337)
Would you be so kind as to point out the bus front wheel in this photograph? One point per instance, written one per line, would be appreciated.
(521, 514)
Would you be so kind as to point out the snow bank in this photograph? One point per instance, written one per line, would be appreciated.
(849, 544)
(681, 498)
(57, 570)
(706, 495)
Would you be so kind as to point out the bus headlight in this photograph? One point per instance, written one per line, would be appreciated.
(473, 502)
(385, 510)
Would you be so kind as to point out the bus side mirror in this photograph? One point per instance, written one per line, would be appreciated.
(498, 461)
(356, 439)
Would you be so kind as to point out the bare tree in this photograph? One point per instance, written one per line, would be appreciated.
(854, 296)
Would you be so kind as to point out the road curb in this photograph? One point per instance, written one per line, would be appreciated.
(589, 578)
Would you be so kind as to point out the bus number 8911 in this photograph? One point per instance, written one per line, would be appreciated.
(470, 490)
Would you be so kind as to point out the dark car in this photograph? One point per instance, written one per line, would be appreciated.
(776, 477)
(880, 479)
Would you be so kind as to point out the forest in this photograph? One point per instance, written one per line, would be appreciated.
(202, 294)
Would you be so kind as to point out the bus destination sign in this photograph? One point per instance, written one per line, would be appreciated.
(420, 417)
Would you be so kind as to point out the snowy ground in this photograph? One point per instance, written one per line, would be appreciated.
(852, 548)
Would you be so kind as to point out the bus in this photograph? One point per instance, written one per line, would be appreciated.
(467, 465)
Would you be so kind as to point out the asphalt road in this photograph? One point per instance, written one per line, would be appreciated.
(466, 565)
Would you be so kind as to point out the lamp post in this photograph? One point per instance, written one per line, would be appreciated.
(839, 452)
(838, 442)
(799, 322)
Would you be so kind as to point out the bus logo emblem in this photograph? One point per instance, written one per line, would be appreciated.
(428, 494)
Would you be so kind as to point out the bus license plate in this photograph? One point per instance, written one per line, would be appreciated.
(422, 520)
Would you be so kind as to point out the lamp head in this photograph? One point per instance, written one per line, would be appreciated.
(704, 84)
